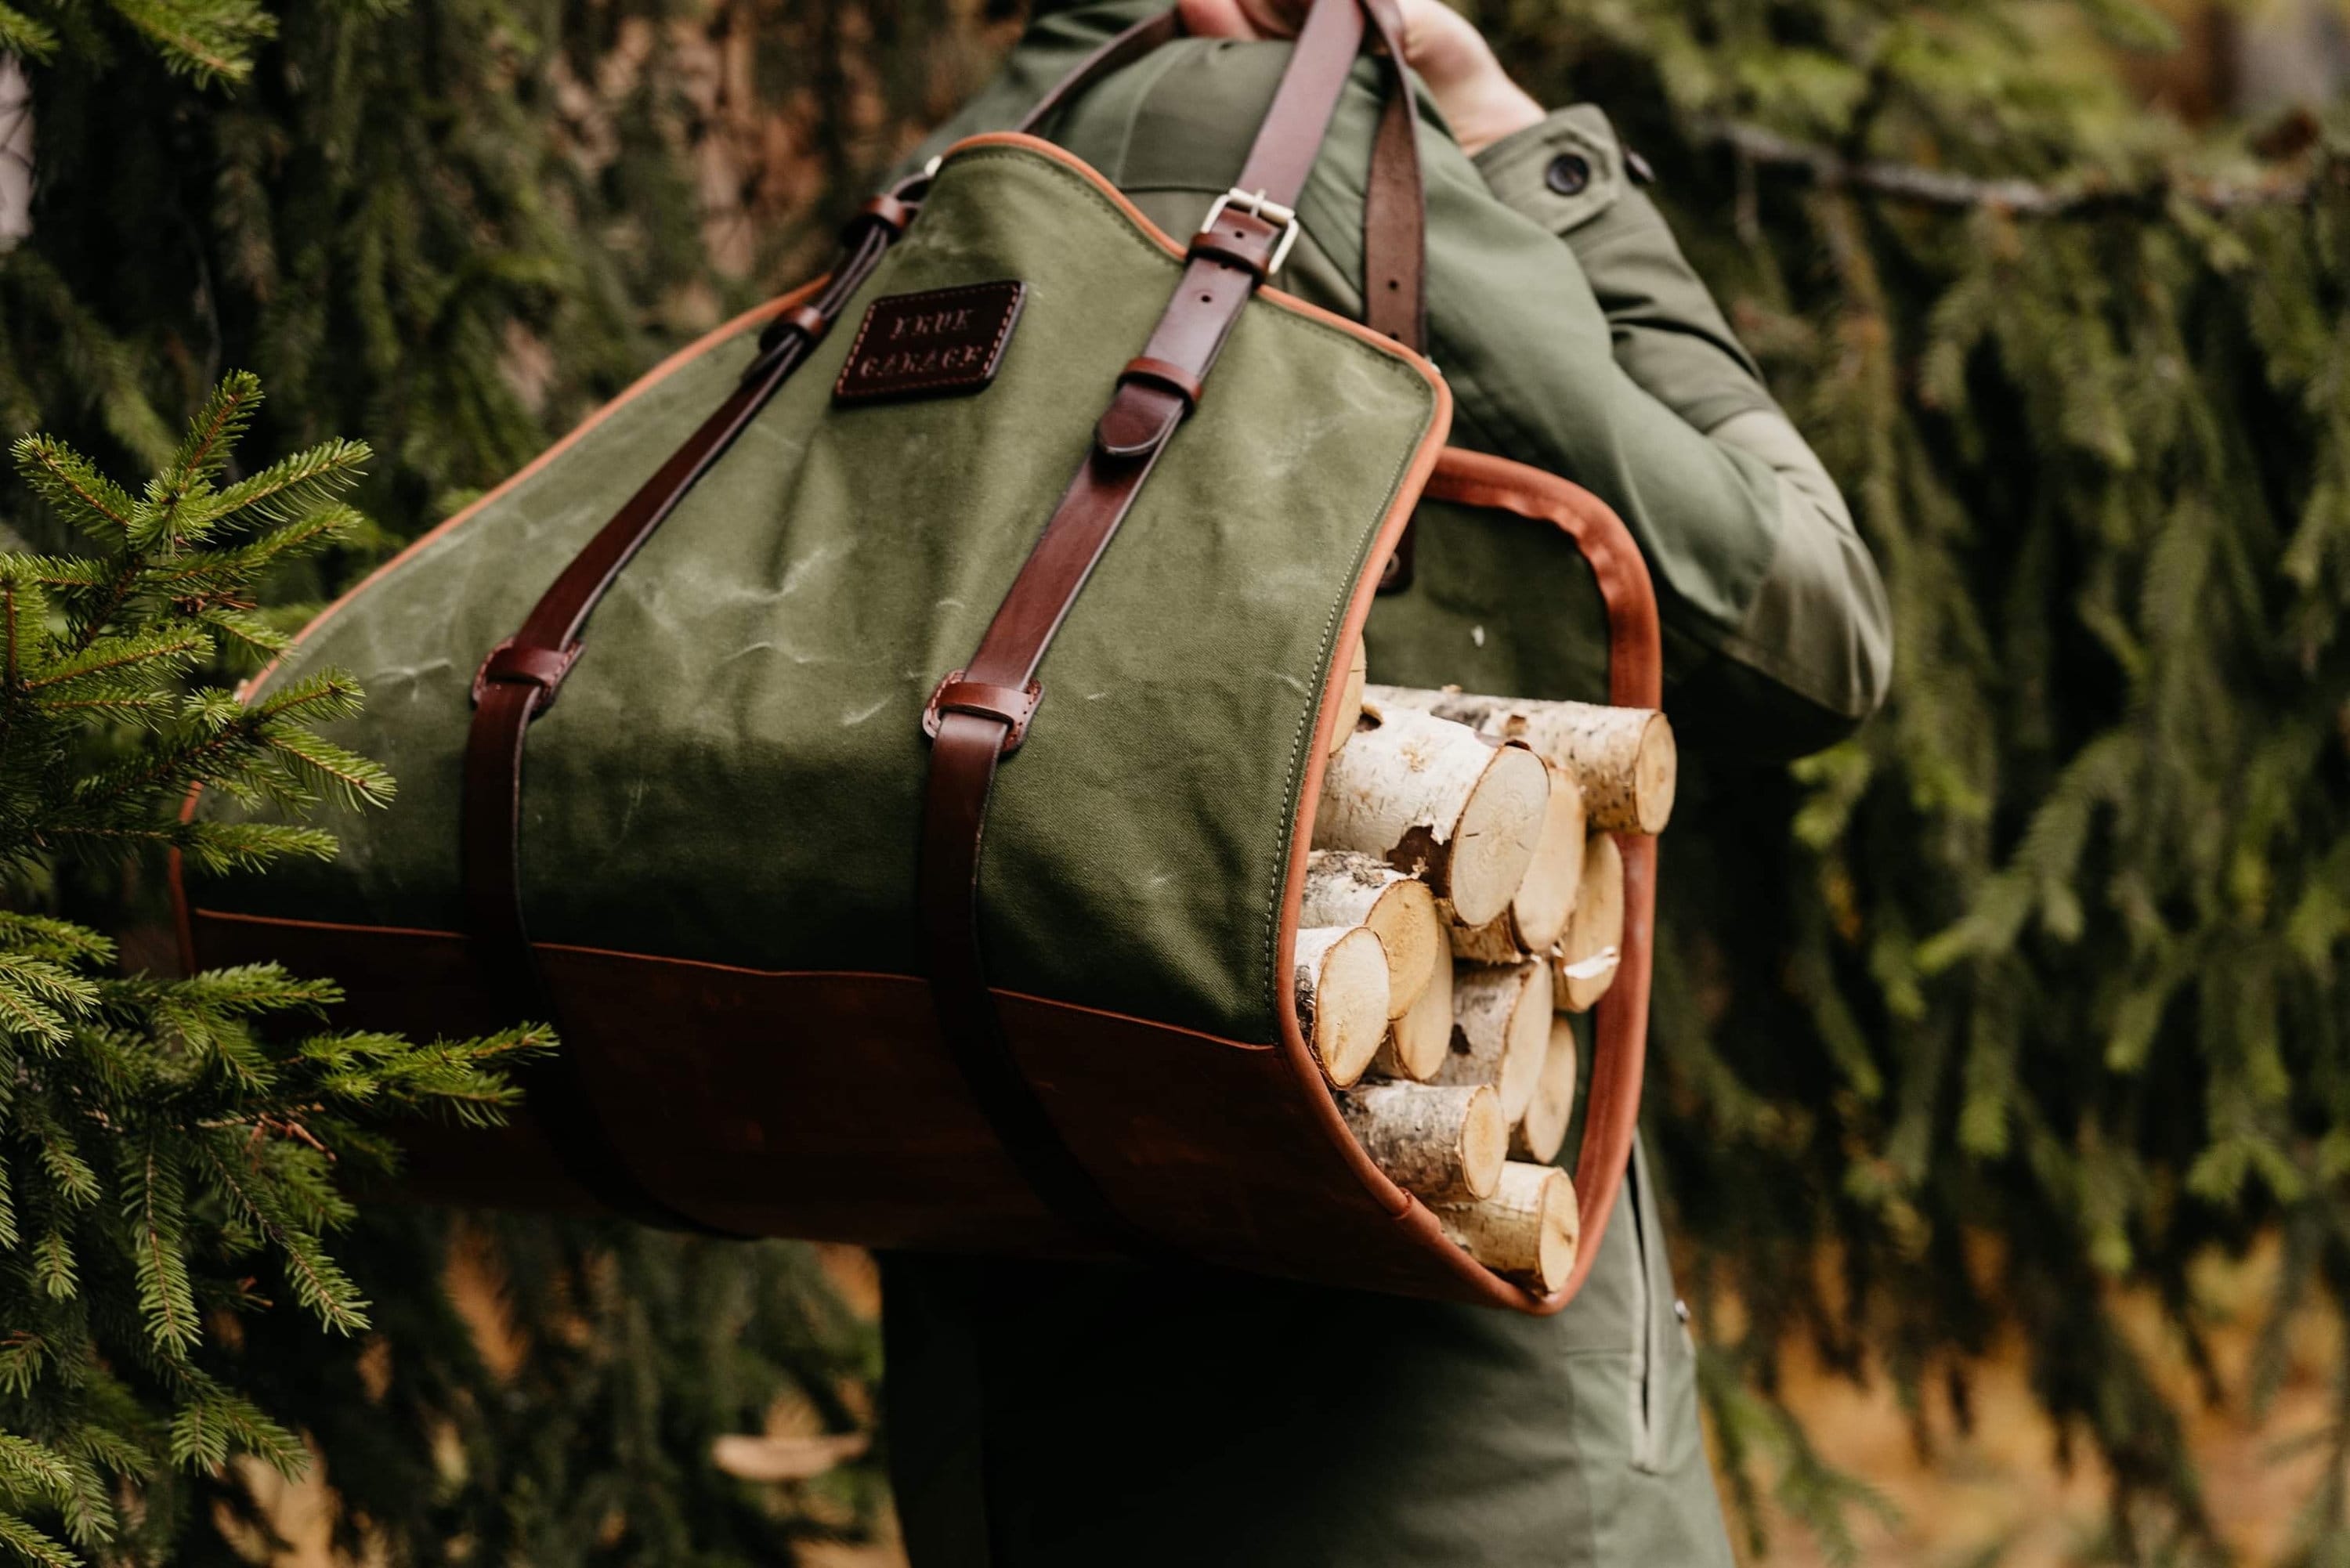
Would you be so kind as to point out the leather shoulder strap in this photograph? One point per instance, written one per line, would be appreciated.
(979, 713)
(520, 679)
(1395, 251)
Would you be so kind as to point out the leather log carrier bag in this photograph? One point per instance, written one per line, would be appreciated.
(1030, 529)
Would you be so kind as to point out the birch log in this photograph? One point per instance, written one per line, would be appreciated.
(1444, 1144)
(1344, 889)
(1350, 699)
(1418, 1043)
(1340, 976)
(1528, 1230)
(1625, 758)
(1537, 917)
(1589, 952)
(1541, 1132)
(1503, 1016)
(1434, 799)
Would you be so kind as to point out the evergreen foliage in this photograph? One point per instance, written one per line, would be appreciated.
(2020, 1002)
(2026, 999)
(159, 1140)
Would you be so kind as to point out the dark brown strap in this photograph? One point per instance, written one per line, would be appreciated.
(1395, 252)
(521, 677)
(1395, 209)
(1229, 258)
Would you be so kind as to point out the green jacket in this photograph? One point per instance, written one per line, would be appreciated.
(1044, 1417)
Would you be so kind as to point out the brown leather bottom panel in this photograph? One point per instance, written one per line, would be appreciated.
(825, 1106)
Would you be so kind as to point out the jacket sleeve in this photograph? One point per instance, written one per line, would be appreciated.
(1811, 652)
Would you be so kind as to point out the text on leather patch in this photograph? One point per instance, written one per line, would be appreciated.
(940, 343)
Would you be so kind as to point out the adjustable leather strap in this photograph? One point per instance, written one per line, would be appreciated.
(521, 676)
(1228, 259)
(1395, 252)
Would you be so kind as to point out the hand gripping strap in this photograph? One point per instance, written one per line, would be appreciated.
(969, 741)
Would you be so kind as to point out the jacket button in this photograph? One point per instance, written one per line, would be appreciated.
(1568, 174)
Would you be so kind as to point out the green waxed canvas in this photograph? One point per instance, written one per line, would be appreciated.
(733, 772)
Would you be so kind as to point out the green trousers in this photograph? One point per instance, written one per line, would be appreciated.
(1114, 1417)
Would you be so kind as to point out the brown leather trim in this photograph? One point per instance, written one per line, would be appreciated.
(1635, 680)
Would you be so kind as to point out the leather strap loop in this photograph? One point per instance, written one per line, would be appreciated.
(889, 209)
(517, 665)
(1012, 706)
(1164, 373)
(1142, 418)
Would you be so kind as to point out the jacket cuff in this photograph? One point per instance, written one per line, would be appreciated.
(1562, 171)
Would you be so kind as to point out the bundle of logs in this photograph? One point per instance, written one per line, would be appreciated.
(1464, 898)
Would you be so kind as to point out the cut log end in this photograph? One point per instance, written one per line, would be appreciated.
(1341, 986)
(1346, 889)
(1538, 912)
(1589, 954)
(1655, 776)
(1419, 1043)
(1431, 798)
(1444, 1144)
(1528, 1231)
(1547, 898)
(1500, 827)
(1541, 1131)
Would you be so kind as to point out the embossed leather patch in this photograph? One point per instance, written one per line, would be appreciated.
(936, 344)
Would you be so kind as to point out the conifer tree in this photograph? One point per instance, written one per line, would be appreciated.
(171, 1155)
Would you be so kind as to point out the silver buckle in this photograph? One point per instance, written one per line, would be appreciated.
(1257, 204)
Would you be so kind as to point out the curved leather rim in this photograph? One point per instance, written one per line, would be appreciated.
(1635, 680)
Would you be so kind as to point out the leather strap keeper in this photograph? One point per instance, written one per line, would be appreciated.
(1012, 706)
(887, 208)
(1164, 373)
(514, 665)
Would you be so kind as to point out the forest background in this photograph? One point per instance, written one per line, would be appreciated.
(2001, 1066)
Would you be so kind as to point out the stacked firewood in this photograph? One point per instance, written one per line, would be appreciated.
(1463, 897)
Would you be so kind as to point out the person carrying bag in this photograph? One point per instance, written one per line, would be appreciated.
(890, 741)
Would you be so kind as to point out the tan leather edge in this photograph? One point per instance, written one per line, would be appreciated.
(1635, 680)
(753, 317)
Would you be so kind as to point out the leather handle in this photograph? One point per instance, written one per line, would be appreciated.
(519, 680)
(1227, 259)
